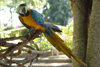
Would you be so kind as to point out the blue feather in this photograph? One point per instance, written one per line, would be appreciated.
(1, 43)
(39, 20)
(37, 16)
(51, 26)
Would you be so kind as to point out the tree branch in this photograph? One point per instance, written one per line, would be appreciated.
(27, 59)
(18, 46)
(36, 51)
(9, 52)
(16, 54)
(13, 38)
(5, 65)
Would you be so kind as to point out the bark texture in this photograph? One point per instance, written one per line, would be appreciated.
(93, 48)
(81, 13)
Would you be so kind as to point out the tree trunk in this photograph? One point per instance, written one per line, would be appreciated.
(93, 48)
(81, 19)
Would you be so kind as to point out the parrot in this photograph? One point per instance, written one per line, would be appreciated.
(30, 18)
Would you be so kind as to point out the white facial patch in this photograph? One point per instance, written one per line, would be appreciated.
(21, 9)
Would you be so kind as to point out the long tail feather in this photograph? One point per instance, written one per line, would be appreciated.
(57, 42)
(52, 42)
(59, 48)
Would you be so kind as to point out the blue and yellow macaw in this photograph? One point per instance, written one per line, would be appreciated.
(32, 19)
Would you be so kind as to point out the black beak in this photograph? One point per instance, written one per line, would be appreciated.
(24, 11)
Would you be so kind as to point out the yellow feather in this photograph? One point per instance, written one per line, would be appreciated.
(58, 38)
(52, 42)
(56, 45)
(0, 47)
(57, 42)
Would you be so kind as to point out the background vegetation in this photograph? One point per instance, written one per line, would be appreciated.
(57, 11)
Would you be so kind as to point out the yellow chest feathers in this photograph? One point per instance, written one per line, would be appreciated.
(28, 20)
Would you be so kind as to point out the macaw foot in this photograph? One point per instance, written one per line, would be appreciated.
(32, 32)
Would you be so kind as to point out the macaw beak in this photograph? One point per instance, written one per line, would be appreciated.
(24, 11)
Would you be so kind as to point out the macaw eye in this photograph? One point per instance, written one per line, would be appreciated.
(23, 10)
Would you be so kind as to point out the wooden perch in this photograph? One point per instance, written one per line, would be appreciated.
(36, 51)
(5, 65)
(18, 46)
(22, 62)
(35, 45)
(16, 54)
(9, 52)
(13, 38)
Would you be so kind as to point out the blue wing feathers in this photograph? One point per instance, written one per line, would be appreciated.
(37, 16)
(39, 20)
(51, 26)
(1, 43)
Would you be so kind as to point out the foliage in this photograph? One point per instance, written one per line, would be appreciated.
(68, 35)
(14, 33)
(57, 11)
(8, 28)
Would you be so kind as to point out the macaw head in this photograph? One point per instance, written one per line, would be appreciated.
(23, 9)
